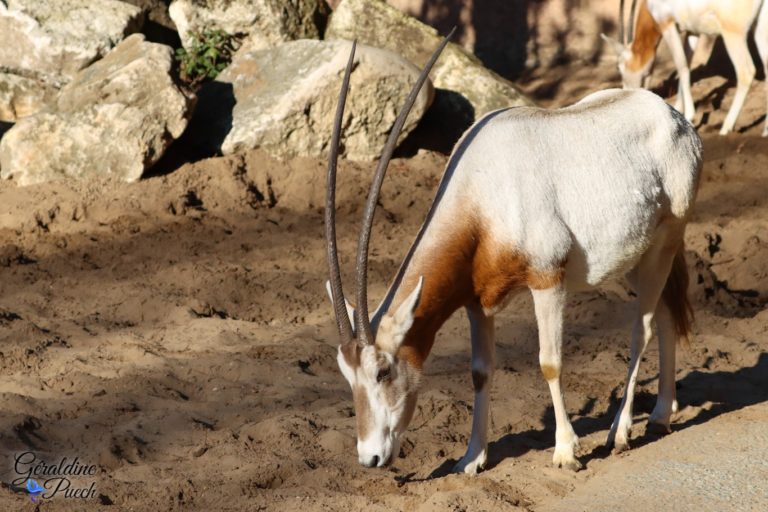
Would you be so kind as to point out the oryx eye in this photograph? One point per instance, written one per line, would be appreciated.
(383, 374)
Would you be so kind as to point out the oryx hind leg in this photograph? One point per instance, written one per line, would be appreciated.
(690, 44)
(761, 41)
(648, 278)
(666, 404)
(738, 51)
(676, 46)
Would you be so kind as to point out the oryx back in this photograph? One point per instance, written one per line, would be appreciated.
(583, 186)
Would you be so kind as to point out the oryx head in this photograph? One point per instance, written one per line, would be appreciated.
(384, 382)
(635, 68)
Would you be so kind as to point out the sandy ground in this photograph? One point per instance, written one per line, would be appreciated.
(720, 464)
(175, 333)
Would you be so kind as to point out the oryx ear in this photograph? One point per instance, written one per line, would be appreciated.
(348, 354)
(350, 307)
(393, 328)
(404, 313)
(612, 43)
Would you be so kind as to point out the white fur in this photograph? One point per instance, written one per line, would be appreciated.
(583, 184)
(380, 442)
(549, 305)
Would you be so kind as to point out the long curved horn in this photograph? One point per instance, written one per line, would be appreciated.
(632, 22)
(339, 304)
(362, 321)
(621, 23)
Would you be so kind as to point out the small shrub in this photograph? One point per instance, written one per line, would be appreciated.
(210, 53)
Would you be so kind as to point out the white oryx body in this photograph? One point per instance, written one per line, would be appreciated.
(579, 186)
(546, 200)
(731, 19)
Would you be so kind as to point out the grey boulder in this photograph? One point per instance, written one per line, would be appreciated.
(115, 118)
(44, 43)
(471, 89)
(266, 22)
(284, 100)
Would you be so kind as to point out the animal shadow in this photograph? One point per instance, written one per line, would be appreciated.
(709, 394)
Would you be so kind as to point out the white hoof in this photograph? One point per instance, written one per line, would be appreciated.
(620, 444)
(566, 461)
(564, 455)
(661, 417)
(471, 464)
(618, 437)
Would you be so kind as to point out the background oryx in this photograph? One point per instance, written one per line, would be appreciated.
(731, 19)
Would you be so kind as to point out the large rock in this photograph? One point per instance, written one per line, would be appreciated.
(43, 43)
(60, 37)
(267, 22)
(114, 118)
(285, 99)
(471, 86)
(21, 96)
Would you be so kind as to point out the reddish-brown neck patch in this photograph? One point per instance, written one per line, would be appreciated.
(646, 39)
(447, 269)
(463, 266)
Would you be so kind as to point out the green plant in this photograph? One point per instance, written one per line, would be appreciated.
(210, 52)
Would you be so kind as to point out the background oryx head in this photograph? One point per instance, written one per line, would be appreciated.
(384, 381)
(635, 67)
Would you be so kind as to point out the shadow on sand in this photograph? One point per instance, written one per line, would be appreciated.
(726, 391)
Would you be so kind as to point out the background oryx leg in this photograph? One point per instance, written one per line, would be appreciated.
(689, 47)
(648, 278)
(738, 51)
(702, 49)
(665, 402)
(549, 305)
(761, 40)
(483, 360)
(675, 43)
